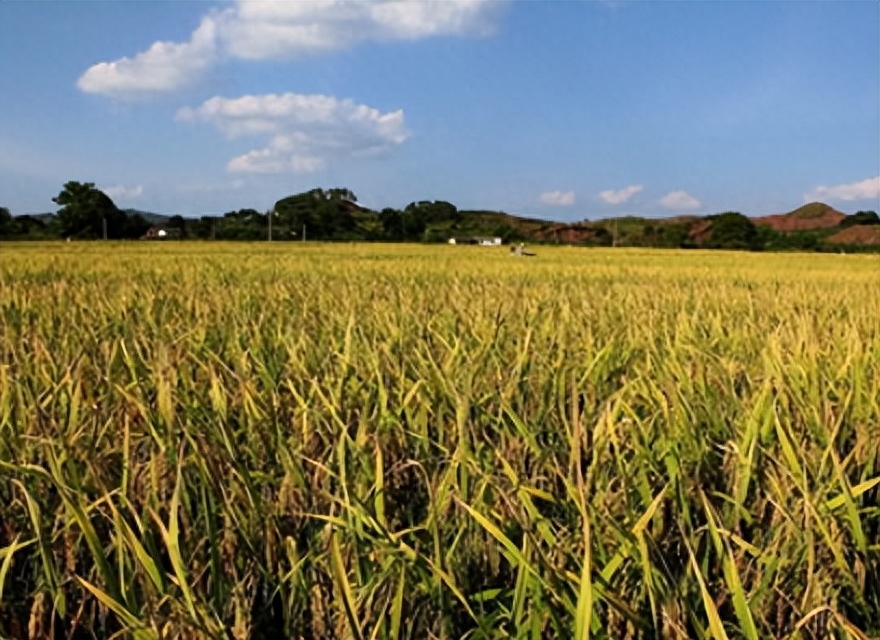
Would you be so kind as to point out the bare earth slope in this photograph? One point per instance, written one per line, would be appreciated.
(815, 215)
(858, 234)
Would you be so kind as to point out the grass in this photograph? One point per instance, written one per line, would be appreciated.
(367, 441)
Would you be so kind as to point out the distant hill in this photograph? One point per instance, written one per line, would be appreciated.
(811, 227)
(155, 219)
(815, 215)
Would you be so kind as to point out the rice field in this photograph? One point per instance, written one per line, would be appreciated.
(376, 442)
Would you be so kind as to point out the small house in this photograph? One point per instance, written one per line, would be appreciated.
(483, 241)
(161, 233)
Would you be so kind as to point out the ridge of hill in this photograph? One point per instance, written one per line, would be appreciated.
(814, 215)
(864, 235)
(149, 216)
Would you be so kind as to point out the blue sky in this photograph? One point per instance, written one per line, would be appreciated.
(562, 110)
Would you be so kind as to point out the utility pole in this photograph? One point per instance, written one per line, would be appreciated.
(304, 233)
(104, 225)
(271, 213)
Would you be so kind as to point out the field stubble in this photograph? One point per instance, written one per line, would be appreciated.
(255, 441)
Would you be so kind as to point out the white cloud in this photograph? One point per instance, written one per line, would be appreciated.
(680, 200)
(121, 192)
(304, 131)
(163, 67)
(865, 190)
(621, 195)
(260, 30)
(557, 198)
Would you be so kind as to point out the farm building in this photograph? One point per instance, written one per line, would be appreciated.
(483, 241)
(161, 233)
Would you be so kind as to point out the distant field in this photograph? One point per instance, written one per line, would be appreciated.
(206, 440)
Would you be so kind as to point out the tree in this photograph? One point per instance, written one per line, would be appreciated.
(204, 227)
(733, 230)
(325, 214)
(244, 224)
(430, 212)
(135, 226)
(860, 218)
(8, 226)
(178, 222)
(85, 210)
(392, 223)
(674, 234)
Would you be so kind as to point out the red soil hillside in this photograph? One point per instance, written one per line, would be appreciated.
(857, 234)
(815, 215)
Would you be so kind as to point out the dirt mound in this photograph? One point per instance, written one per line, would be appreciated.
(858, 234)
(815, 215)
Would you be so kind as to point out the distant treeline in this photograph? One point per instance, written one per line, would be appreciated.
(86, 212)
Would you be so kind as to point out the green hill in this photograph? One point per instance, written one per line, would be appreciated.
(812, 211)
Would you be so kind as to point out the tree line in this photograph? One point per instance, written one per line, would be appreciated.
(86, 212)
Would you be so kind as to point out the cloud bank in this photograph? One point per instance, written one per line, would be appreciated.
(262, 30)
(680, 200)
(865, 190)
(304, 132)
(557, 198)
(621, 195)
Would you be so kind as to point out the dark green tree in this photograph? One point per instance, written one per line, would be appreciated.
(85, 210)
(732, 230)
(414, 225)
(860, 218)
(8, 227)
(205, 227)
(135, 226)
(325, 214)
(392, 224)
(674, 235)
(178, 222)
(432, 212)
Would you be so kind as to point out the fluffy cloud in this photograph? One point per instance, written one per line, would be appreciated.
(680, 200)
(121, 192)
(304, 131)
(621, 195)
(557, 198)
(163, 67)
(865, 190)
(258, 30)
(261, 30)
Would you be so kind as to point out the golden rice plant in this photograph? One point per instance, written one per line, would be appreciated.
(376, 442)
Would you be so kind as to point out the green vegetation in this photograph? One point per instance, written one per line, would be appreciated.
(87, 212)
(325, 215)
(31, 227)
(732, 230)
(335, 215)
(861, 218)
(204, 440)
